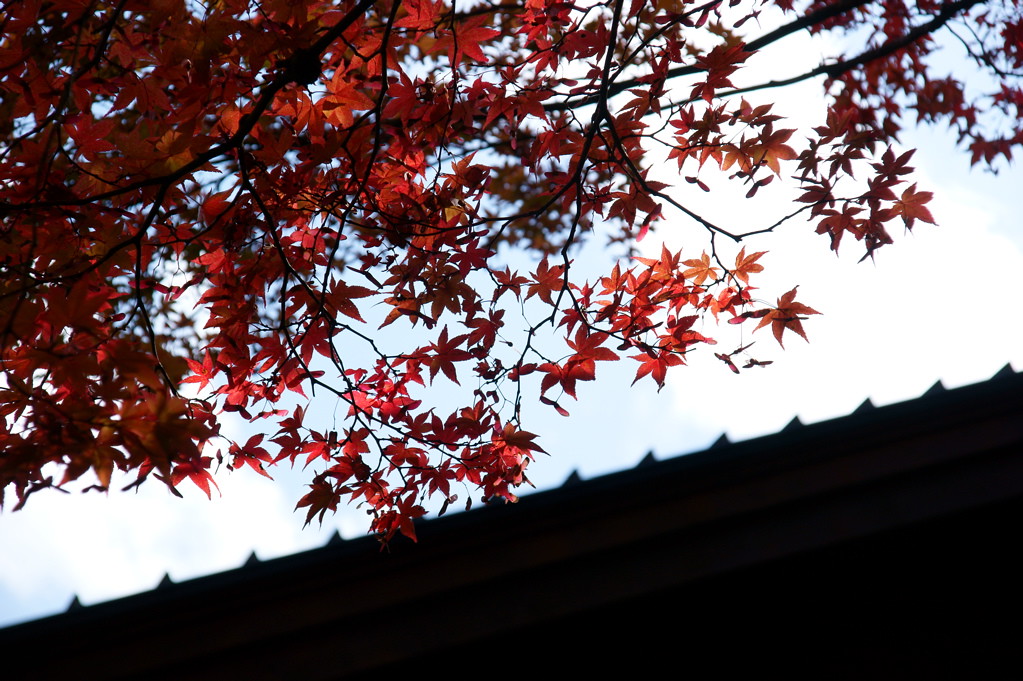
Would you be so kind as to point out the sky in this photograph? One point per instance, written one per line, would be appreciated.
(942, 303)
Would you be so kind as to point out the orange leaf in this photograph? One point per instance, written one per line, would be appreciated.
(788, 315)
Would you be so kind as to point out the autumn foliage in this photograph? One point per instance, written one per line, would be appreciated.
(306, 214)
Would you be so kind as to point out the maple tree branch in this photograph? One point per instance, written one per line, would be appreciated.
(778, 223)
(636, 176)
(377, 134)
(835, 69)
(985, 57)
(319, 300)
(680, 19)
(599, 116)
(290, 272)
(805, 21)
(147, 322)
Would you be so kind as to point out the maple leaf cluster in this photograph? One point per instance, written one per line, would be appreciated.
(253, 207)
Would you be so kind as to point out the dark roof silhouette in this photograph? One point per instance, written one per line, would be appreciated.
(877, 545)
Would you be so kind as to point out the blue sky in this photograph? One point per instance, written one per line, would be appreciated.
(940, 304)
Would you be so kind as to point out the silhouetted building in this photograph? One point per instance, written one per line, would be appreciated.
(878, 545)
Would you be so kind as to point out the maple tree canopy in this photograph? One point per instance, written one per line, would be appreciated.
(228, 206)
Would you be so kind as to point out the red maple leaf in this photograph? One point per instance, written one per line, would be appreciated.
(465, 40)
(787, 315)
(913, 206)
